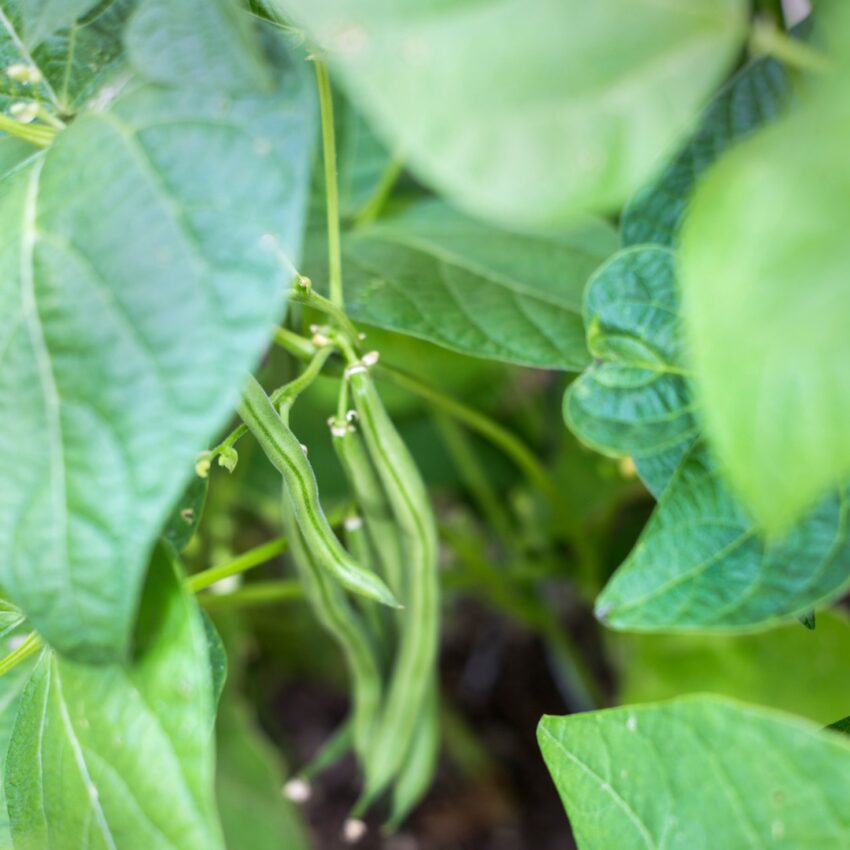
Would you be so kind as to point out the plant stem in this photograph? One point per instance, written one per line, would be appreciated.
(32, 643)
(326, 108)
(35, 134)
(373, 206)
(767, 39)
(296, 345)
(246, 561)
(309, 297)
(258, 593)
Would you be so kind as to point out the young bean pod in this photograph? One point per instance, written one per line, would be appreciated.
(414, 665)
(285, 452)
(370, 496)
(416, 774)
(336, 615)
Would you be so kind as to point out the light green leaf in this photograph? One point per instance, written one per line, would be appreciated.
(42, 18)
(787, 668)
(75, 62)
(219, 49)
(699, 773)
(254, 813)
(139, 279)
(753, 97)
(764, 262)
(12, 683)
(120, 756)
(701, 563)
(634, 400)
(524, 111)
(437, 274)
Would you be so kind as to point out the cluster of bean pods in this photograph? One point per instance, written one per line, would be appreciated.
(387, 624)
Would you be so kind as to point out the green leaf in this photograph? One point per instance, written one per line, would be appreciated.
(634, 400)
(75, 62)
(842, 726)
(186, 514)
(139, 280)
(786, 668)
(120, 756)
(12, 685)
(42, 18)
(216, 655)
(527, 111)
(764, 262)
(755, 96)
(437, 274)
(701, 563)
(699, 773)
(254, 813)
(219, 46)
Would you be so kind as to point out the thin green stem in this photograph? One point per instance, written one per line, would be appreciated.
(326, 109)
(32, 643)
(308, 296)
(258, 555)
(284, 397)
(376, 202)
(246, 561)
(767, 39)
(475, 478)
(297, 346)
(36, 134)
(257, 593)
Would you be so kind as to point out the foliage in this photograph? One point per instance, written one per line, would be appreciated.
(417, 247)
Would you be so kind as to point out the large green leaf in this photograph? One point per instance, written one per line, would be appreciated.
(751, 98)
(764, 262)
(699, 774)
(523, 111)
(701, 563)
(790, 668)
(435, 273)
(634, 399)
(254, 814)
(120, 756)
(75, 62)
(139, 279)
(42, 18)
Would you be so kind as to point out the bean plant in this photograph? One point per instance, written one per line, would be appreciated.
(290, 294)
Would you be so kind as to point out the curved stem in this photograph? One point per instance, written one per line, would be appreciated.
(32, 643)
(378, 199)
(258, 593)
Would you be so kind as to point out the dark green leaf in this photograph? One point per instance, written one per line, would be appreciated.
(435, 273)
(842, 726)
(701, 563)
(699, 773)
(217, 657)
(186, 515)
(120, 756)
(525, 111)
(139, 279)
(75, 62)
(634, 399)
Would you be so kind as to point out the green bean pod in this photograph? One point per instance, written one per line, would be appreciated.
(340, 621)
(284, 451)
(416, 774)
(372, 501)
(414, 665)
(361, 548)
